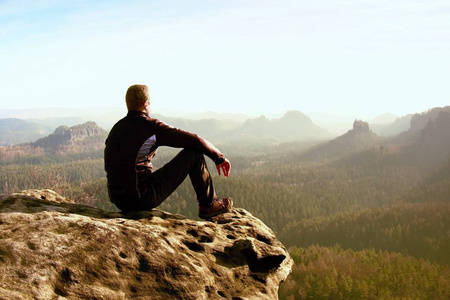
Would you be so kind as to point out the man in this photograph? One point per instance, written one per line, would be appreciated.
(130, 148)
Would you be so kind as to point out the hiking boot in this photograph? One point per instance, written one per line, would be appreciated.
(218, 206)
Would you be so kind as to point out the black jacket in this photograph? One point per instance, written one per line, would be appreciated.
(131, 145)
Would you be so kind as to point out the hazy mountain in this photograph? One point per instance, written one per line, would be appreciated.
(15, 131)
(433, 144)
(420, 121)
(409, 126)
(293, 126)
(355, 140)
(53, 117)
(384, 119)
(426, 148)
(85, 134)
(417, 123)
(399, 125)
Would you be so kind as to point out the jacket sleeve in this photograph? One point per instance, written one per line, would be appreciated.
(174, 137)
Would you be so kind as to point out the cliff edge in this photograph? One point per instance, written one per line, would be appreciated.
(51, 247)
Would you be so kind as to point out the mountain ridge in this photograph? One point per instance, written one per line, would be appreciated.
(293, 126)
(18, 131)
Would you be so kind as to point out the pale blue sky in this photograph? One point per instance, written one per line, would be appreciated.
(353, 57)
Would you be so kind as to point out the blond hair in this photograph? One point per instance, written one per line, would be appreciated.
(136, 96)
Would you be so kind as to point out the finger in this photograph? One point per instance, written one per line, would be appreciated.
(218, 169)
(225, 171)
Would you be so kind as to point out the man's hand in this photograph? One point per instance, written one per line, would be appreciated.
(225, 167)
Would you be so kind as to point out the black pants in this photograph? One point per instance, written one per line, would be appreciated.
(157, 186)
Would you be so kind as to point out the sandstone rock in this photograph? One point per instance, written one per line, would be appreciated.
(64, 135)
(51, 248)
(360, 126)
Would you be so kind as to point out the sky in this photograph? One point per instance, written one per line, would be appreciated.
(356, 58)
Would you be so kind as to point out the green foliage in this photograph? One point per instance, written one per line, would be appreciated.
(419, 229)
(334, 273)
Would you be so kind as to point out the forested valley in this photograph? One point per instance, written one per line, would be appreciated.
(364, 216)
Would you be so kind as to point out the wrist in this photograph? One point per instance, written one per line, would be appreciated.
(220, 160)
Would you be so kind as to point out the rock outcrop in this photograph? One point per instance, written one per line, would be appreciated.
(360, 126)
(50, 248)
(64, 135)
(356, 140)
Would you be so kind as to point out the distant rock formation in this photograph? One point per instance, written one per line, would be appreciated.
(51, 247)
(358, 139)
(360, 127)
(64, 135)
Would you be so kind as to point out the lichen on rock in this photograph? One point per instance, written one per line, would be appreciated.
(50, 247)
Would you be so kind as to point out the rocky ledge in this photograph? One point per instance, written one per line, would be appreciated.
(52, 248)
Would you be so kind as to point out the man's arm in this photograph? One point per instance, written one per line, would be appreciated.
(225, 166)
(174, 137)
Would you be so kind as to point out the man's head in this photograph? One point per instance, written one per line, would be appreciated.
(138, 98)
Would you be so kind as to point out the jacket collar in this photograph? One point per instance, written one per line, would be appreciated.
(135, 113)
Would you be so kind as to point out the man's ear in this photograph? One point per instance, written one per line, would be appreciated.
(147, 106)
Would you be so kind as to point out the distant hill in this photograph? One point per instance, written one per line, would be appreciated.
(433, 143)
(384, 119)
(388, 125)
(86, 134)
(293, 126)
(15, 131)
(427, 149)
(57, 116)
(418, 122)
(358, 139)
(393, 128)
(426, 144)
